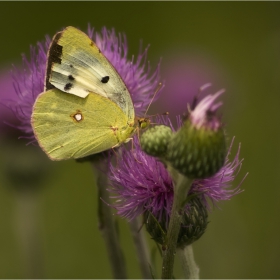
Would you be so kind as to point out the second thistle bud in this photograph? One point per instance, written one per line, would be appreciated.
(197, 153)
(198, 149)
(194, 223)
(154, 141)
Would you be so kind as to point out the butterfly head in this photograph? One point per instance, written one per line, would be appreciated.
(143, 123)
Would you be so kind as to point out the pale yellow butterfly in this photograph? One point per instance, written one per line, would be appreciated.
(86, 107)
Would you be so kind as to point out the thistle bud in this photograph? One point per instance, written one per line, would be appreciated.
(154, 141)
(198, 149)
(194, 223)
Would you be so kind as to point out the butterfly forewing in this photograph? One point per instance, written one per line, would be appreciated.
(77, 66)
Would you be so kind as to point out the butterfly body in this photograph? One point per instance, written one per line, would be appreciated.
(86, 108)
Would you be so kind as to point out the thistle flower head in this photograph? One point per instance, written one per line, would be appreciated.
(141, 183)
(198, 148)
(204, 114)
(218, 187)
(6, 115)
(28, 82)
(136, 74)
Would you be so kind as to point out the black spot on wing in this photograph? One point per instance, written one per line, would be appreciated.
(71, 65)
(105, 79)
(68, 86)
(71, 78)
(54, 56)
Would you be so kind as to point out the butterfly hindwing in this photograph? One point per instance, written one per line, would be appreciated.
(77, 66)
(67, 126)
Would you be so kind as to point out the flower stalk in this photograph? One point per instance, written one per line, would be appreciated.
(107, 224)
(181, 189)
(28, 231)
(141, 247)
(190, 268)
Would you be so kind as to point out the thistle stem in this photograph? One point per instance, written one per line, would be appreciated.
(107, 224)
(180, 193)
(141, 248)
(28, 229)
(190, 268)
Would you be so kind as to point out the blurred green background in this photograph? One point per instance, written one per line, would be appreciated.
(235, 45)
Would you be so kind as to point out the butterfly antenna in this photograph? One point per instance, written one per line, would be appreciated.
(132, 147)
(156, 115)
(156, 91)
(116, 153)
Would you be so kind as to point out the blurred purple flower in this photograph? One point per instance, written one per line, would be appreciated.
(28, 84)
(141, 183)
(184, 72)
(6, 115)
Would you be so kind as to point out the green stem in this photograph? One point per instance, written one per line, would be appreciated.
(141, 248)
(107, 225)
(190, 268)
(180, 193)
(28, 223)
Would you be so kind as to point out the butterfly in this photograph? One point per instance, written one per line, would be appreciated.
(86, 107)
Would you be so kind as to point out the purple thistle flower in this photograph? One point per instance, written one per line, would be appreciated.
(141, 183)
(139, 80)
(198, 149)
(29, 83)
(218, 187)
(204, 114)
(6, 92)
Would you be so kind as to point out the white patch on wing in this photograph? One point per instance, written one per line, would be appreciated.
(78, 117)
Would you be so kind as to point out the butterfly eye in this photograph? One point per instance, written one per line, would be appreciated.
(105, 79)
(143, 123)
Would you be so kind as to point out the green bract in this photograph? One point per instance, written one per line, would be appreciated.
(154, 141)
(194, 223)
(197, 153)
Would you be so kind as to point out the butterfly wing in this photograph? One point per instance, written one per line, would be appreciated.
(77, 66)
(67, 126)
